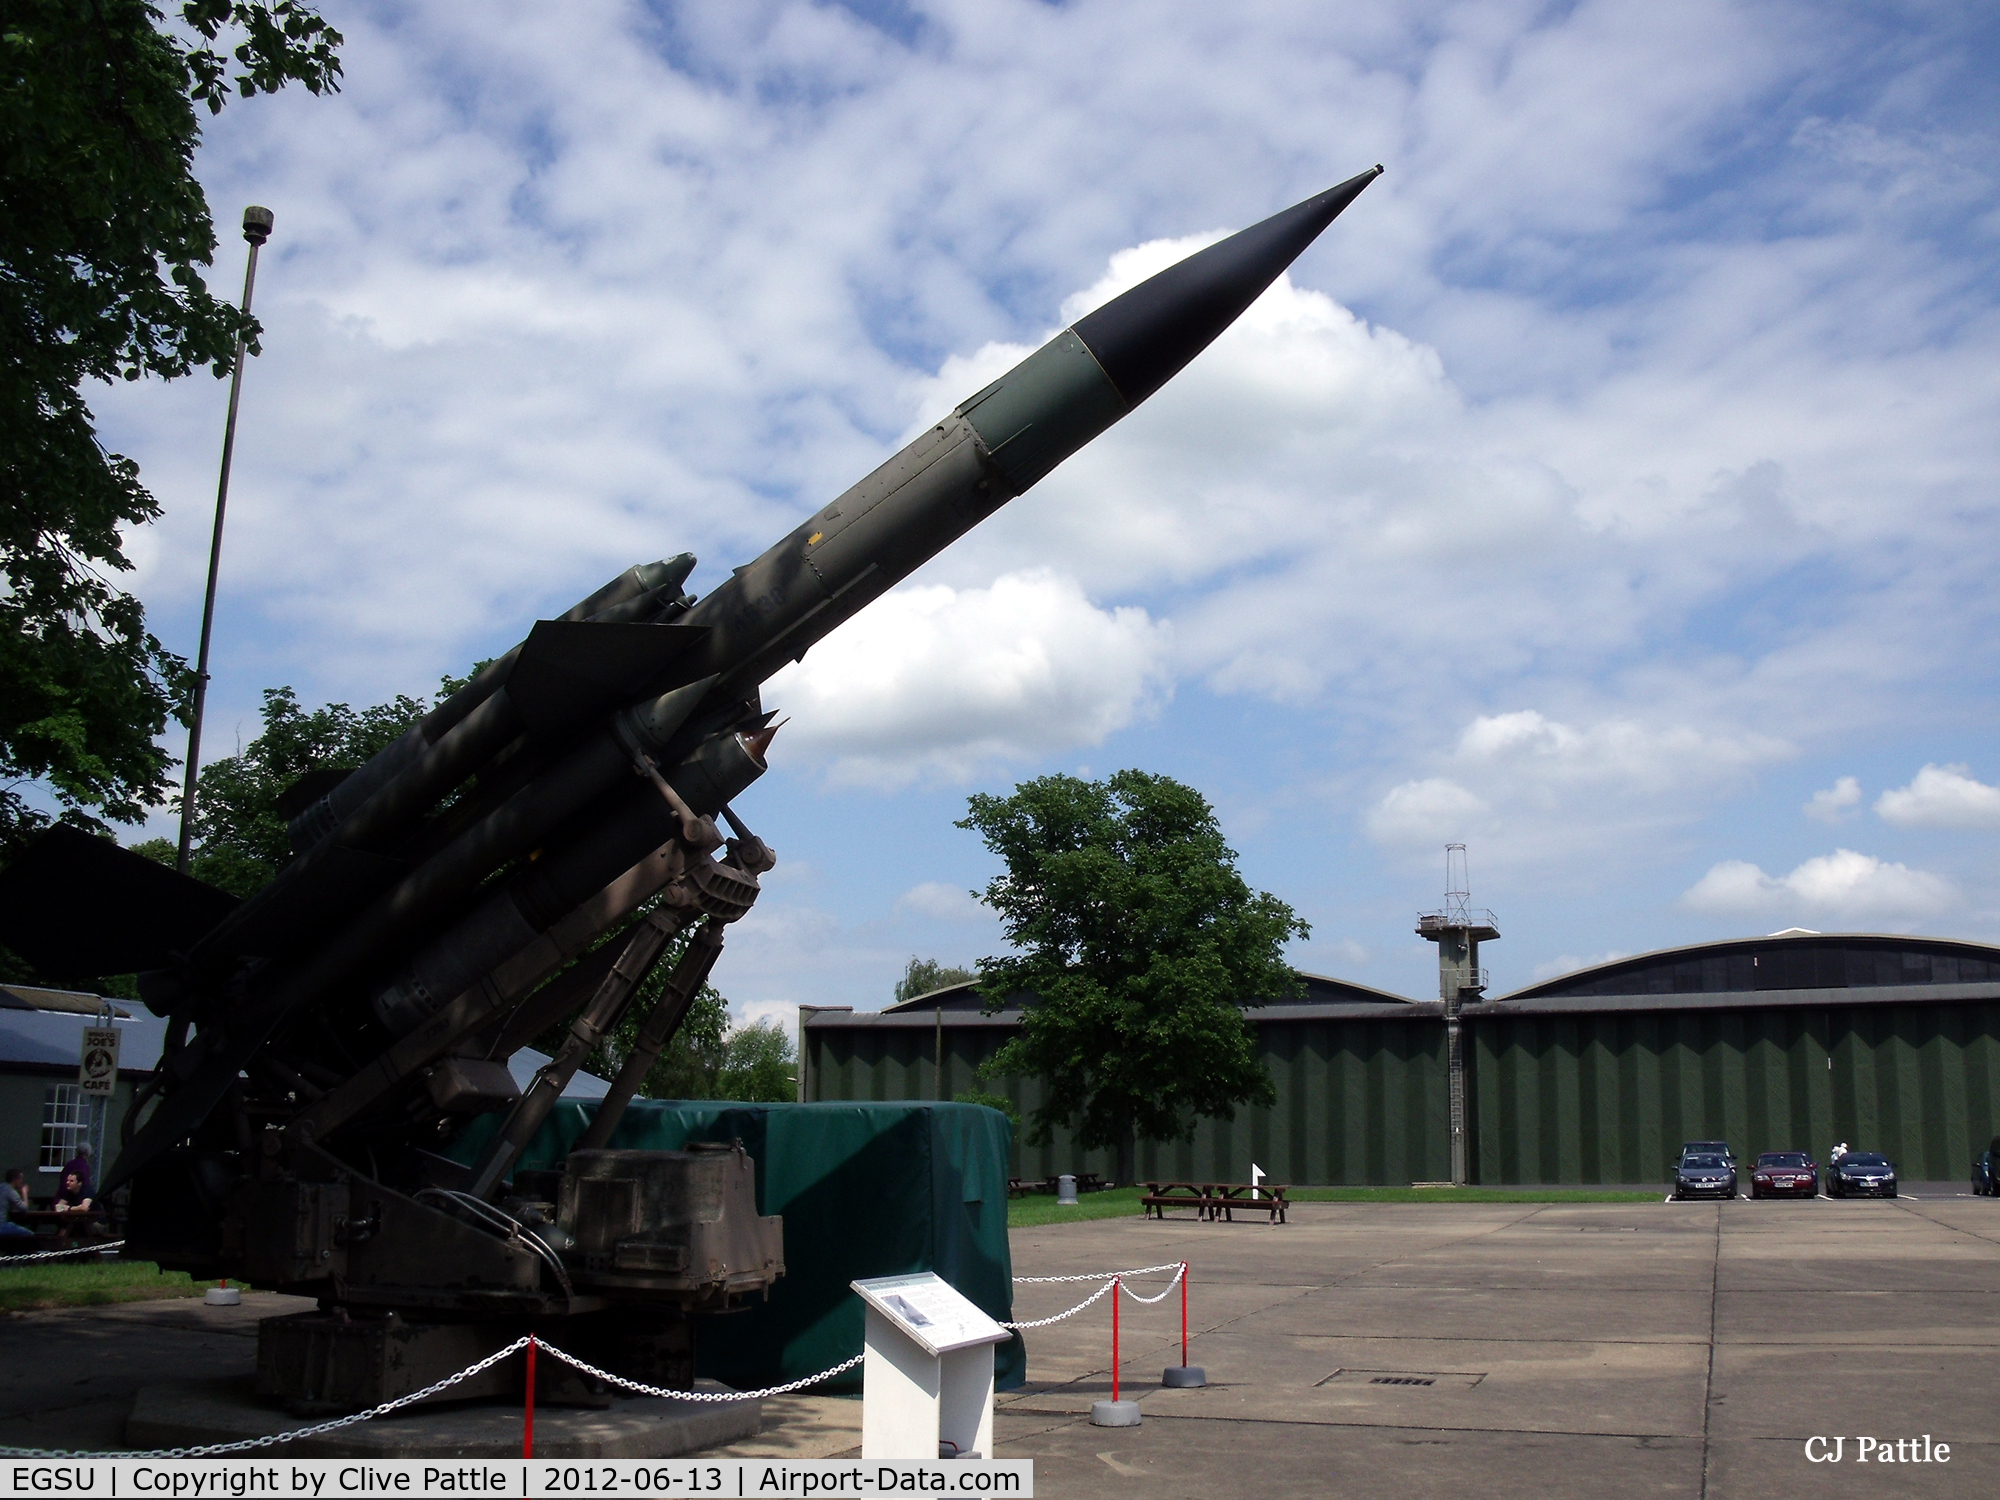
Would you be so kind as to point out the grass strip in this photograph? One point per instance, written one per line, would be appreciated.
(54, 1283)
(1037, 1209)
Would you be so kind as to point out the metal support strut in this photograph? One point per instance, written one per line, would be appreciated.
(606, 1008)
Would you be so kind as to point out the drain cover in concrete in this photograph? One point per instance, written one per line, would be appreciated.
(1463, 1380)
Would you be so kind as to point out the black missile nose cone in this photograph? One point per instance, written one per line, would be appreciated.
(1145, 336)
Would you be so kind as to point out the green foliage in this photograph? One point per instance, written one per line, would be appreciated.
(922, 975)
(1132, 925)
(103, 229)
(991, 1101)
(758, 1066)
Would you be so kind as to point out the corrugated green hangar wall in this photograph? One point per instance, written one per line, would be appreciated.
(1591, 1096)
(1359, 1100)
(1606, 1097)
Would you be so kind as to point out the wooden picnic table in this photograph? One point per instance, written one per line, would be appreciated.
(1217, 1200)
(58, 1231)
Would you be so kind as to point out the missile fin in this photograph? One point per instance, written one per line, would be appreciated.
(77, 906)
(569, 670)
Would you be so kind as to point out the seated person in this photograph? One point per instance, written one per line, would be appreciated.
(14, 1200)
(72, 1198)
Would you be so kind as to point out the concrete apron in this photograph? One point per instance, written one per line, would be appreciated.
(228, 1410)
(1527, 1350)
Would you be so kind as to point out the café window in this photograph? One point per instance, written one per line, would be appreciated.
(65, 1125)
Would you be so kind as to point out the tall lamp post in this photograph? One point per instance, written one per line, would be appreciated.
(257, 224)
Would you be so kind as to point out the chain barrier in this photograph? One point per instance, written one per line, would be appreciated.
(208, 1450)
(17, 1260)
(1044, 1322)
(653, 1390)
(1172, 1265)
(1112, 1279)
(1179, 1271)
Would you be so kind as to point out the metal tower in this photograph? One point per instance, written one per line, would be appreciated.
(1458, 929)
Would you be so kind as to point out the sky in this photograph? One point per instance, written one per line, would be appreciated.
(1611, 489)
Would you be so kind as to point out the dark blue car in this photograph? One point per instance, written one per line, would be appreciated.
(1862, 1174)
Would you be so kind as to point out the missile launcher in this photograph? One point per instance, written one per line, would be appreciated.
(331, 1037)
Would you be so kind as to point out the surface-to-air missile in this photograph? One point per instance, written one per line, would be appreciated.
(333, 1035)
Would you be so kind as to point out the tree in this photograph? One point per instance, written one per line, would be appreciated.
(103, 229)
(758, 1066)
(923, 975)
(1140, 944)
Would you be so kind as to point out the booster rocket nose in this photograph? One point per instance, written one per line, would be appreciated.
(1145, 336)
(760, 742)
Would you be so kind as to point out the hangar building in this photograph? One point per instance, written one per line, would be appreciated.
(1793, 1041)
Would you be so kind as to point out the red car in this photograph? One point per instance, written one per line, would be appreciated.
(1784, 1174)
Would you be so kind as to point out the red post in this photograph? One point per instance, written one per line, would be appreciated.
(528, 1407)
(1184, 1282)
(1117, 1296)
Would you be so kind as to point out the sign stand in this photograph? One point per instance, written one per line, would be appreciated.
(927, 1371)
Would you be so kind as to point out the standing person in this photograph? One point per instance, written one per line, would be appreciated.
(14, 1200)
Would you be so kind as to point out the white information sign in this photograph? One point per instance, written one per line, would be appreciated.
(931, 1311)
(97, 1069)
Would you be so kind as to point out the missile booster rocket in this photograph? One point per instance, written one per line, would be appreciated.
(452, 898)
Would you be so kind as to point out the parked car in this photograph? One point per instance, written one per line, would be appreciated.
(1863, 1172)
(1982, 1175)
(1708, 1148)
(1704, 1176)
(1784, 1174)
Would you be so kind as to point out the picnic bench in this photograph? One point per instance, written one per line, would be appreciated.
(1217, 1200)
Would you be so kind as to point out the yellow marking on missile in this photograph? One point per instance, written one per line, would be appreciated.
(814, 537)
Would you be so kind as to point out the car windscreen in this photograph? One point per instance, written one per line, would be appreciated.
(1864, 1159)
(1782, 1159)
(1704, 1161)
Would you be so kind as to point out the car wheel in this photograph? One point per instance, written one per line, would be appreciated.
(1890, 1194)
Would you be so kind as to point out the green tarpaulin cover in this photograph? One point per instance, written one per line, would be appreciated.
(865, 1190)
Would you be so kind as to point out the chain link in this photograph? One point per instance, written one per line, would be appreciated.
(17, 1260)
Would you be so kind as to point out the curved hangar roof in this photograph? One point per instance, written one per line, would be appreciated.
(1787, 967)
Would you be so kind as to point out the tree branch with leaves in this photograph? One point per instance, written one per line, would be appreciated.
(1138, 947)
(104, 233)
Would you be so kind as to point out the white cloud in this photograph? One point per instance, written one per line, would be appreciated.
(779, 1013)
(1529, 788)
(1844, 884)
(936, 682)
(1637, 428)
(1430, 812)
(1835, 803)
(943, 903)
(1941, 797)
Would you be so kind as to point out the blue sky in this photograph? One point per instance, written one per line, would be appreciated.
(1609, 486)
